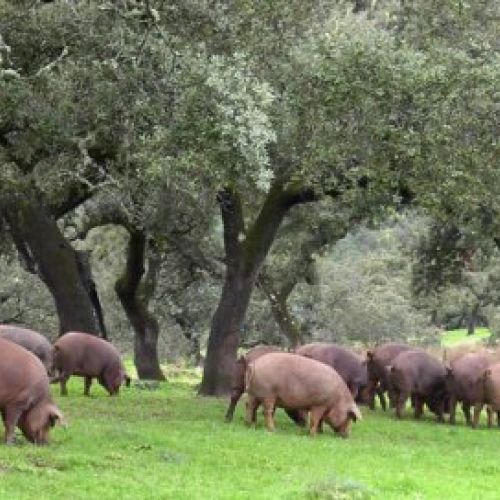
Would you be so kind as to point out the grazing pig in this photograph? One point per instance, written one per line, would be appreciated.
(490, 385)
(30, 340)
(238, 382)
(85, 355)
(292, 381)
(25, 399)
(462, 381)
(378, 359)
(418, 374)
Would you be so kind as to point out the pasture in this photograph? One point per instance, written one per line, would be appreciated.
(165, 442)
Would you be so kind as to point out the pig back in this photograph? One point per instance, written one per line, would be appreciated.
(419, 372)
(464, 373)
(23, 377)
(346, 363)
(32, 341)
(295, 381)
(382, 356)
(238, 374)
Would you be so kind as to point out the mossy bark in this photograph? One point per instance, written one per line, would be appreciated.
(48, 254)
(135, 288)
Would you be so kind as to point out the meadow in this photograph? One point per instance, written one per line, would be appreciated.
(155, 442)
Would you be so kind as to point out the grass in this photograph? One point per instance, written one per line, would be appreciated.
(454, 337)
(167, 443)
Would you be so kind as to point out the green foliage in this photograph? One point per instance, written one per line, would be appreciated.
(168, 443)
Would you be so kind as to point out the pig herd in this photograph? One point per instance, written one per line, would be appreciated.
(315, 383)
(327, 381)
(29, 363)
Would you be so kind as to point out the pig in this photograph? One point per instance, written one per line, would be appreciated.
(25, 399)
(29, 339)
(418, 374)
(489, 383)
(88, 356)
(462, 381)
(292, 381)
(377, 361)
(345, 362)
(238, 382)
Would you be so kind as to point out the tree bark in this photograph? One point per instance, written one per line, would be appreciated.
(47, 253)
(135, 289)
(245, 254)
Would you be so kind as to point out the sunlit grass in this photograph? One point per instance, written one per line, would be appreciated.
(453, 337)
(168, 443)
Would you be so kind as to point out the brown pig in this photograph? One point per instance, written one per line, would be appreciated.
(463, 381)
(378, 359)
(345, 362)
(32, 341)
(421, 376)
(238, 381)
(88, 356)
(490, 385)
(296, 382)
(25, 399)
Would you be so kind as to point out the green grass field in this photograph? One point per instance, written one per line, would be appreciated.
(169, 443)
(454, 337)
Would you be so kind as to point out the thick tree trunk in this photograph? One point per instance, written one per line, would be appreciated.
(245, 254)
(46, 252)
(472, 320)
(134, 291)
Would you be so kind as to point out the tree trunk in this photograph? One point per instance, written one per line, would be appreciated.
(288, 325)
(245, 254)
(134, 290)
(472, 320)
(47, 253)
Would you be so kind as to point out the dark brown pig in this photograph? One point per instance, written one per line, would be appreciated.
(345, 362)
(32, 341)
(88, 356)
(25, 399)
(490, 385)
(300, 383)
(462, 382)
(377, 361)
(238, 381)
(421, 376)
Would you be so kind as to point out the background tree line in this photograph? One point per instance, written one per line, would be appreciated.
(213, 165)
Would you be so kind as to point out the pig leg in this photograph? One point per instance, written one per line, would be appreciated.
(62, 381)
(466, 410)
(88, 383)
(252, 405)
(400, 402)
(453, 409)
(269, 404)
(10, 416)
(498, 418)
(381, 397)
(419, 406)
(235, 397)
(315, 419)
(477, 413)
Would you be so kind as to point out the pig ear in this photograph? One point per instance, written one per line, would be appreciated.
(354, 413)
(55, 415)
